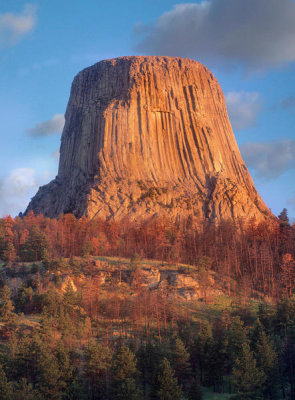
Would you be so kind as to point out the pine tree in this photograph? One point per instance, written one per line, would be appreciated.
(149, 359)
(181, 363)
(124, 364)
(35, 247)
(98, 360)
(36, 362)
(201, 349)
(217, 360)
(124, 373)
(50, 381)
(65, 362)
(283, 217)
(237, 337)
(246, 376)
(8, 252)
(267, 362)
(266, 355)
(97, 367)
(6, 306)
(169, 388)
(70, 297)
(5, 386)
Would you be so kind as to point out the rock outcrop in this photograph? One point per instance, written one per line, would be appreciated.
(149, 136)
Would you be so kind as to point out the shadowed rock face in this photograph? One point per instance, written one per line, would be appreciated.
(145, 136)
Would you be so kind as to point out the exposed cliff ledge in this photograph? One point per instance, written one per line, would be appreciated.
(149, 135)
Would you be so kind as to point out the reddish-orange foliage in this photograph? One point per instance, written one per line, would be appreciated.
(247, 251)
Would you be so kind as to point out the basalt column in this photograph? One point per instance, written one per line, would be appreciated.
(149, 136)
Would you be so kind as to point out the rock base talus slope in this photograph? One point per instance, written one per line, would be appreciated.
(149, 136)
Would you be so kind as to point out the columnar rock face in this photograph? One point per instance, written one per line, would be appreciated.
(149, 136)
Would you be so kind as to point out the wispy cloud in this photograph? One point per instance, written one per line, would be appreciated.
(13, 27)
(243, 108)
(49, 127)
(256, 33)
(269, 159)
(16, 189)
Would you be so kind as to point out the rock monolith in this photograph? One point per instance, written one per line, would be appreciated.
(149, 136)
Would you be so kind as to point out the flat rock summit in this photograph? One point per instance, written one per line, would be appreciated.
(149, 136)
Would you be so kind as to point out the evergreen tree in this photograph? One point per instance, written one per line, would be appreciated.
(5, 386)
(8, 252)
(70, 297)
(169, 388)
(285, 315)
(24, 299)
(218, 360)
(237, 337)
(266, 355)
(98, 360)
(35, 247)
(36, 362)
(201, 349)
(283, 217)
(50, 381)
(267, 363)
(124, 373)
(126, 389)
(149, 359)
(6, 306)
(24, 364)
(180, 359)
(97, 367)
(65, 362)
(124, 364)
(246, 376)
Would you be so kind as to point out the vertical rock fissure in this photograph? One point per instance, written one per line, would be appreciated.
(160, 121)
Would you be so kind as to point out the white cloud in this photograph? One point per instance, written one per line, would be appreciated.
(18, 187)
(50, 127)
(16, 190)
(269, 159)
(14, 26)
(243, 108)
(256, 33)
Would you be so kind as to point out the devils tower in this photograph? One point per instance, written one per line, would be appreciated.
(149, 136)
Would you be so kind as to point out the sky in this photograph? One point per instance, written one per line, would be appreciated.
(249, 45)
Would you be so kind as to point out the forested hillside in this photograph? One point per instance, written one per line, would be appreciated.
(96, 309)
(257, 256)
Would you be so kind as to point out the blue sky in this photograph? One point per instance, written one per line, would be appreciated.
(248, 44)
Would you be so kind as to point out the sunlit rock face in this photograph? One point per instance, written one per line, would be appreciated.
(149, 136)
